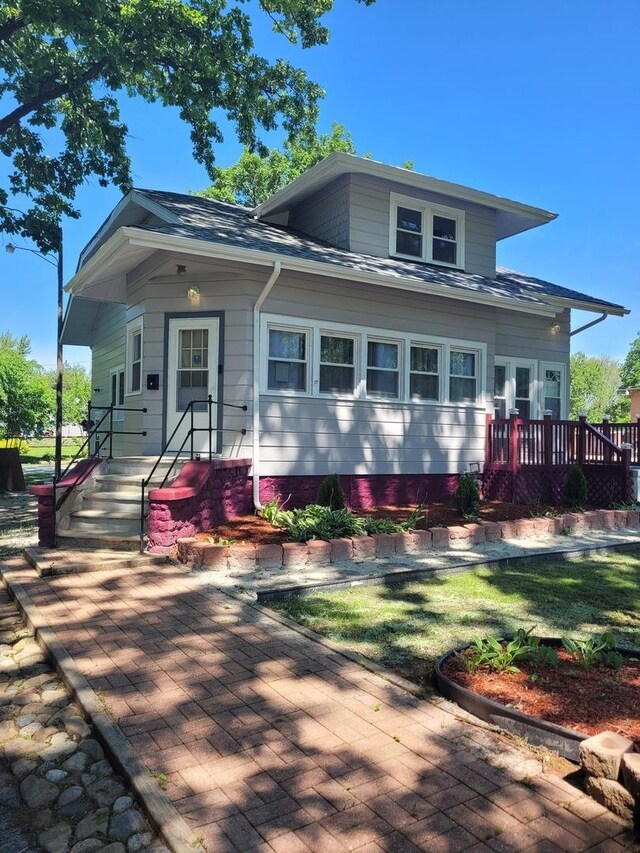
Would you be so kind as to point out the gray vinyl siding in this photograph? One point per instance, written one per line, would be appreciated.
(369, 208)
(307, 435)
(302, 435)
(325, 214)
(224, 291)
(107, 354)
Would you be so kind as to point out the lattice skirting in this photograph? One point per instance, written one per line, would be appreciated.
(606, 484)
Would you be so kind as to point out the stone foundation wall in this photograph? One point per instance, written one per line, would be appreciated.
(80, 473)
(204, 494)
(358, 549)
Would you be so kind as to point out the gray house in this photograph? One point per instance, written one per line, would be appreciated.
(358, 314)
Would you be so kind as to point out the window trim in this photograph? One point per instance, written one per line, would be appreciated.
(134, 327)
(427, 209)
(361, 335)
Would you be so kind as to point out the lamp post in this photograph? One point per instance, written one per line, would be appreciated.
(11, 248)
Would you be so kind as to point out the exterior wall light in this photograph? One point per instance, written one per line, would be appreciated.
(181, 269)
(193, 294)
(555, 328)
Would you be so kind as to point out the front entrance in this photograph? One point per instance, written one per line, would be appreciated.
(515, 388)
(194, 361)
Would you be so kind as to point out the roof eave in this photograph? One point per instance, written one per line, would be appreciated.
(340, 163)
(595, 307)
(135, 237)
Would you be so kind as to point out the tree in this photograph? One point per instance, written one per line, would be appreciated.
(595, 388)
(27, 400)
(76, 392)
(630, 373)
(62, 63)
(254, 178)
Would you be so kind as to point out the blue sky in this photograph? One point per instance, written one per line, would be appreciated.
(536, 101)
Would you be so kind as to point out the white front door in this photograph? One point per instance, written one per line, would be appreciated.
(192, 374)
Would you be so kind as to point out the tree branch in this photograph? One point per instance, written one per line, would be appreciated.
(49, 92)
(11, 26)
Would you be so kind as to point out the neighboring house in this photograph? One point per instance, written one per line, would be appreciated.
(358, 313)
(634, 399)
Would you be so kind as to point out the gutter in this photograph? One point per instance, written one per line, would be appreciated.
(133, 237)
(266, 290)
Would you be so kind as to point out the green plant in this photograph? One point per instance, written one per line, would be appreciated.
(594, 650)
(494, 653)
(330, 493)
(574, 494)
(467, 497)
(220, 541)
(275, 515)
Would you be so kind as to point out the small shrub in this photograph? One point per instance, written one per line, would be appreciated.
(600, 650)
(493, 653)
(574, 494)
(330, 493)
(467, 497)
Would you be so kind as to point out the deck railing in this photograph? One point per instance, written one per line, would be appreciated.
(517, 442)
(532, 454)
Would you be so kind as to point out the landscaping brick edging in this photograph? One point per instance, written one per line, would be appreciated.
(612, 773)
(358, 549)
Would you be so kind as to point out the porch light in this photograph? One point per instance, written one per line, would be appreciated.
(555, 328)
(181, 269)
(193, 294)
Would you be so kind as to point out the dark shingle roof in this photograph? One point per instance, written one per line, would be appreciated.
(230, 225)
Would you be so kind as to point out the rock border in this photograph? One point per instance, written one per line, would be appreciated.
(358, 549)
(164, 816)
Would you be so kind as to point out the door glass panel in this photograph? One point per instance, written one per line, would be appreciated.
(553, 392)
(500, 390)
(192, 377)
(523, 393)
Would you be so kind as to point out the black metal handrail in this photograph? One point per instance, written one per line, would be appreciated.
(94, 430)
(210, 429)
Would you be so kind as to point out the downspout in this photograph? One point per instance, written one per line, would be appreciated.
(266, 290)
(589, 325)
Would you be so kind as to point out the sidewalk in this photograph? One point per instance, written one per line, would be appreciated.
(265, 740)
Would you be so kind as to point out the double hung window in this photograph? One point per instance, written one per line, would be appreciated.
(134, 357)
(288, 350)
(117, 393)
(359, 363)
(463, 378)
(383, 369)
(426, 232)
(337, 364)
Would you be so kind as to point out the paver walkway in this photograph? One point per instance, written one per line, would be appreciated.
(271, 742)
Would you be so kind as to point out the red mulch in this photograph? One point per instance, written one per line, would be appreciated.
(252, 528)
(587, 700)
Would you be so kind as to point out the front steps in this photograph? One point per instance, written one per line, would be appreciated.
(106, 514)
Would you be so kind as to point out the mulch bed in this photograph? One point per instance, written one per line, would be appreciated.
(253, 529)
(587, 700)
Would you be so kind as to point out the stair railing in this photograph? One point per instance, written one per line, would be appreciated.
(94, 431)
(210, 429)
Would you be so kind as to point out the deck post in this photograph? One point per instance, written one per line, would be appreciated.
(488, 440)
(582, 434)
(514, 443)
(547, 453)
(626, 473)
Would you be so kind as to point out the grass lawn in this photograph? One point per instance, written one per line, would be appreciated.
(408, 626)
(43, 449)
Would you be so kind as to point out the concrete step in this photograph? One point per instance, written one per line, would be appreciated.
(128, 482)
(86, 521)
(97, 537)
(140, 466)
(66, 561)
(112, 501)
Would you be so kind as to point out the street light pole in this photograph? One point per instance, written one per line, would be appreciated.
(11, 248)
(59, 367)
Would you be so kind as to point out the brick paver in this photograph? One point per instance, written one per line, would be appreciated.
(269, 741)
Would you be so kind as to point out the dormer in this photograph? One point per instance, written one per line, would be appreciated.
(386, 211)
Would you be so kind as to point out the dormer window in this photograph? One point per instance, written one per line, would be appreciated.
(426, 232)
